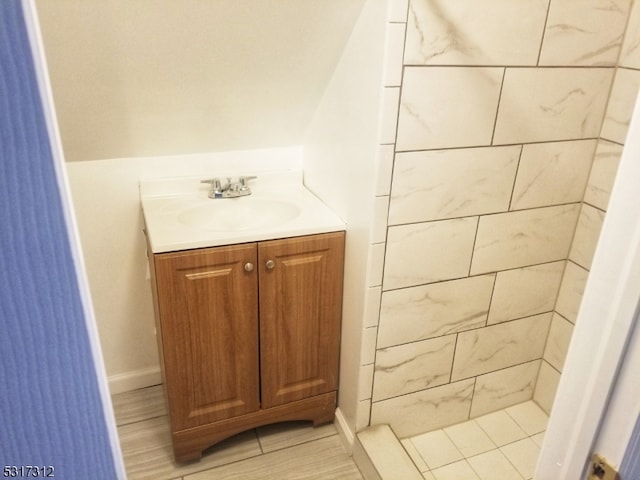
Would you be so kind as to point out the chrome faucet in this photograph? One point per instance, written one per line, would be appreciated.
(230, 189)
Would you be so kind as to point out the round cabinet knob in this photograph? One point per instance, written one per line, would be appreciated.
(270, 264)
(248, 267)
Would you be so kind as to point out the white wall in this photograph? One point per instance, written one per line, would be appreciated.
(339, 166)
(162, 77)
(107, 204)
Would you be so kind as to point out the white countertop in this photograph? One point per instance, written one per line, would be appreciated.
(179, 215)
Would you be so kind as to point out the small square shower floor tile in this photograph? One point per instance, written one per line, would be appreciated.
(501, 428)
(523, 454)
(469, 438)
(538, 438)
(502, 445)
(415, 455)
(460, 470)
(529, 416)
(494, 465)
(436, 449)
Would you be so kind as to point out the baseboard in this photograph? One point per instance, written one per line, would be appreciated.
(347, 436)
(125, 382)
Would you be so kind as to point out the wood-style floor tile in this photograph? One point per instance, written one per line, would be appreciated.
(292, 450)
(137, 405)
(148, 453)
(287, 434)
(320, 459)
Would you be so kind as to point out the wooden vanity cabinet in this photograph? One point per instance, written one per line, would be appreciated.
(249, 335)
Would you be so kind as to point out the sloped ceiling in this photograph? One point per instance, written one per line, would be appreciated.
(164, 77)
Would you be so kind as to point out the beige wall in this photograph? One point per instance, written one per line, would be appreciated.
(499, 116)
(161, 77)
(152, 89)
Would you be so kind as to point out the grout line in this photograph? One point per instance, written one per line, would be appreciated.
(487, 214)
(304, 442)
(501, 145)
(473, 247)
(477, 275)
(495, 118)
(140, 420)
(255, 431)
(544, 31)
(515, 178)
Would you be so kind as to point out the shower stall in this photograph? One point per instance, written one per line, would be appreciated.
(502, 127)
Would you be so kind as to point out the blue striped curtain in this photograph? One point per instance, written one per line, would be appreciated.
(51, 416)
(630, 466)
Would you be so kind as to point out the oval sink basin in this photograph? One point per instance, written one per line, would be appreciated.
(236, 214)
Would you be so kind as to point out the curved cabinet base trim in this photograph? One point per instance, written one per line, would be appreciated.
(189, 444)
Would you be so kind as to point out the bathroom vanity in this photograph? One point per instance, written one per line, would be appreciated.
(248, 331)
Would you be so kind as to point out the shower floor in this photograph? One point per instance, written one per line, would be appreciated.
(501, 445)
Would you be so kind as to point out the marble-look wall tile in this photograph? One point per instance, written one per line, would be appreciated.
(552, 173)
(546, 387)
(412, 367)
(454, 32)
(571, 291)
(389, 115)
(496, 390)
(500, 346)
(620, 106)
(546, 104)
(527, 237)
(447, 107)
(379, 223)
(588, 32)
(603, 174)
(372, 306)
(525, 291)
(365, 386)
(558, 342)
(630, 56)
(586, 236)
(450, 92)
(434, 185)
(427, 311)
(368, 348)
(375, 264)
(384, 169)
(428, 252)
(426, 410)
(393, 55)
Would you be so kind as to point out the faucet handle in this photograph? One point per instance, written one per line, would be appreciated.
(214, 182)
(216, 188)
(244, 179)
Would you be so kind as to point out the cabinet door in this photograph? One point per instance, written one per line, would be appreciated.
(209, 325)
(300, 311)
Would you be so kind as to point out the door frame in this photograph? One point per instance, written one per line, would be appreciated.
(621, 422)
(602, 333)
